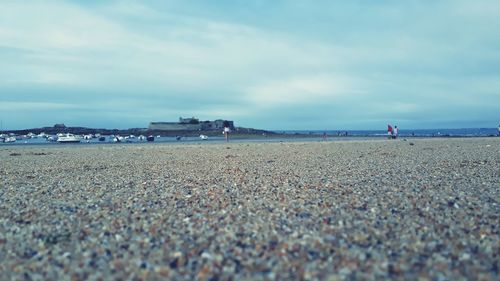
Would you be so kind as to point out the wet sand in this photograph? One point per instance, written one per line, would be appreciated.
(357, 210)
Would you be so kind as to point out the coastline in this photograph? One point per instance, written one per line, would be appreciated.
(26, 135)
(219, 138)
(362, 209)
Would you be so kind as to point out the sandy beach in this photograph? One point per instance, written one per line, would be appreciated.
(423, 209)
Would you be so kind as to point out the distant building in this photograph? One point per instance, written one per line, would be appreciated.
(190, 124)
(216, 125)
(173, 126)
(191, 120)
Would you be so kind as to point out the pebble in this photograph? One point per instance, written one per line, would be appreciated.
(335, 210)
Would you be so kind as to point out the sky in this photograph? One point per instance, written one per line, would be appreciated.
(275, 65)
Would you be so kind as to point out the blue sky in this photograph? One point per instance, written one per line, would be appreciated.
(264, 64)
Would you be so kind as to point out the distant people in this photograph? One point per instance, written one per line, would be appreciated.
(395, 132)
(389, 131)
(226, 131)
(324, 136)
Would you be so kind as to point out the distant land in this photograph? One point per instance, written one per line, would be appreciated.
(61, 128)
(189, 127)
(242, 132)
(184, 127)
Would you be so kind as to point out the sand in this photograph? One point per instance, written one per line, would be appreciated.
(422, 209)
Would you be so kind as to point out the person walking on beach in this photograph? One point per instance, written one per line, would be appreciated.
(324, 136)
(226, 130)
(395, 135)
(389, 131)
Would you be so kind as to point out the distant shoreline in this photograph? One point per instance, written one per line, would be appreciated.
(241, 132)
(132, 131)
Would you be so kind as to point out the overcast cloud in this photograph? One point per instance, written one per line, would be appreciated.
(264, 64)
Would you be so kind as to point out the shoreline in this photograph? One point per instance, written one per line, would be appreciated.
(240, 138)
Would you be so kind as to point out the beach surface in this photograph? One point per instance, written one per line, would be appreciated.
(423, 209)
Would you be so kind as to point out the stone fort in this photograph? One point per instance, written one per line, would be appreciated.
(191, 124)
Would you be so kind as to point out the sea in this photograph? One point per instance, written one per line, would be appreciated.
(465, 132)
(286, 136)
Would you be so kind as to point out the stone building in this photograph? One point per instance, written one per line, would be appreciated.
(191, 120)
(191, 124)
(216, 124)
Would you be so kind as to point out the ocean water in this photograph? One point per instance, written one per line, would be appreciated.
(466, 132)
(108, 140)
(303, 135)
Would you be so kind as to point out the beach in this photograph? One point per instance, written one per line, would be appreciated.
(423, 209)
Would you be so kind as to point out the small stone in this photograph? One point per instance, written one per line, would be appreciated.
(206, 255)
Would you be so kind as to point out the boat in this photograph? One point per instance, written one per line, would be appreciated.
(9, 139)
(31, 136)
(141, 138)
(203, 137)
(118, 138)
(101, 138)
(68, 138)
(150, 138)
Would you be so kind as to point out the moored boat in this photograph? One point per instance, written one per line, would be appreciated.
(68, 138)
(31, 136)
(9, 139)
(118, 138)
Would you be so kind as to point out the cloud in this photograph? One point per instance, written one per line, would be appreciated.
(303, 90)
(23, 106)
(99, 49)
(55, 25)
(161, 60)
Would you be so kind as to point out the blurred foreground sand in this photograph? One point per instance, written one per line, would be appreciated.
(257, 211)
